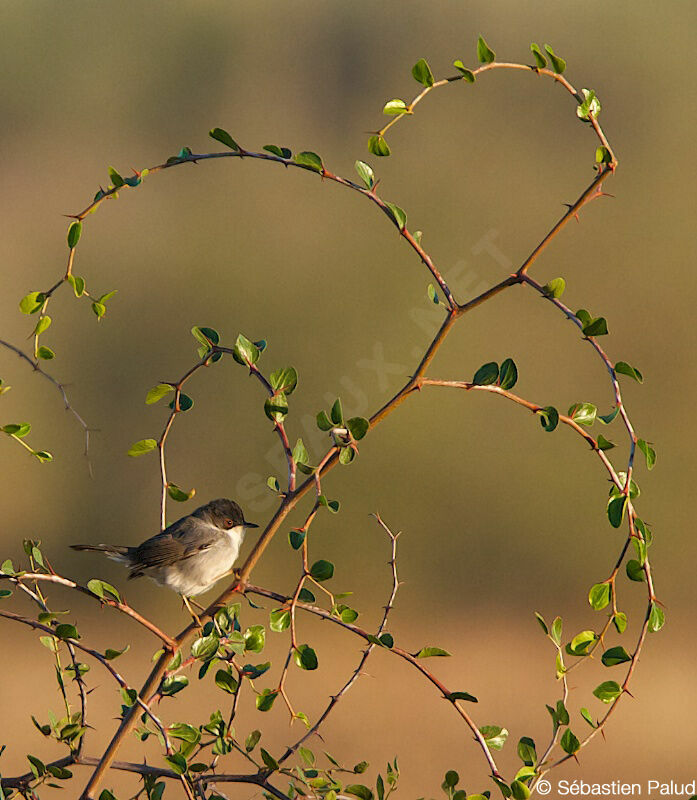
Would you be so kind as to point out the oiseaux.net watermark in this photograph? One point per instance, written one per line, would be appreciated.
(616, 788)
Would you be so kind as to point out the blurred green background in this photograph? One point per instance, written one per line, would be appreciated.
(499, 518)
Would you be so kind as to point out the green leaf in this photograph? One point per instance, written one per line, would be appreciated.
(508, 374)
(66, 631)
(99, 309)
(110, 654)
(486, 374)
(619, 620)
(542, 622)
(173, 684)
(625, 369)
(430, 652)
(309, 160)
(244, 351)
(549, 418)
(467, 74)
(281, 152)
(20, 430)
(581, 643)
(254, 639)
(569, 743)
(649, 453)
(205, 647)
(43, 324)
(583, 413)
(296, 539)
(306, 596)
(470, 698)
(657, 618)
(337, 413)
(284, 380)
(607, 691)
(558, 65)
(604, 444)
(323, 421)
(268, 759)
(179, 494)
(115, 178)
(224, 137)
(358, 790)
(276, 407)
(616, 506)
(555, 288)
(305, 657)
(451, 779)
(266, 699)
(422, 72)
(555, 630)
(635, 571)
(540, 60)
(378, 146)
(398, 215)
(45, 353)
(606, 419)
(74, 231)
(177, 762)
(358, 426)
(614, 656)
(603, 155)
(484, 53)
(252, 740)
(519, 790)
(31, 302)
(586, 714)
(322, 570)
(495, 736)
(589, 106)
(225, 681)
(279, 620)
(394, 108)
(300, 454)
(103, 589)
(526, 751)
(141, 447)
(156, 394)
(365, 173)
(346, 455)
(386, 640)
(599, 596)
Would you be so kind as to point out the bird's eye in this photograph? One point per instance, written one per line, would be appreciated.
(229, 523)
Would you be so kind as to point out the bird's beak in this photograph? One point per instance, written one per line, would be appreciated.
(250, 525)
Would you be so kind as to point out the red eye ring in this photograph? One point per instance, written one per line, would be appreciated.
(229, 523)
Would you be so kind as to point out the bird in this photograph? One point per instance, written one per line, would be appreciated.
(190, 555)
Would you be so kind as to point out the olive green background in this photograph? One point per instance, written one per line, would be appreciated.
(499, 519)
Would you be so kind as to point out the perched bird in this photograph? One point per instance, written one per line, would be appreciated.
(191, 554)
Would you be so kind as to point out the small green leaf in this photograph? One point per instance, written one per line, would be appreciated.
(508, 374)
(599, 596)
(625, 369)
(604, 444)
(555, 630)
(603, 155)
(555, 288)
(323, 421)
(206, 647)
(279, 620)
(281, 152)
(284, 380)
(358, 790)
(225, 681)
(494, 735)
(309, 160)
(173, 684)
(269, 760)
(45, 353)
(276, 407)
(300, 454)
(619, 620)
(635, 571)
(296, 539)
(99, 309)
(224, 137)
(103, 590)
(394, 108)
(305, 657)
(252, 740)
(470, 698)
(467, 74)
(358, 426)
(244, 351)
(74, 232)
(179, 494)
(254, 639)
(337, 413)
(519, 790)
(422, 72)
(542, 622)
(110, 654)
(156, 394)
(484, 53)
(527, 752)
(558, 64)
(266, 699)
(589, 106)
(378, 146)
(398, 215)
(596, 327)
(486, 375)
(657, 618)
(540, 60)
(616, 506)
(43, 324)
(141, 447)
(569, 743)
(549, 418)
(306, 596)
(606, 419)
(649, 453)
(614, 656)
(66, 631)
(430, 652)
(177, 762)
(583, 413)
(115, 178)
(322, 570)
(365, 173)
(31, 302)
(607, 691)
(586, 714)
(581, 643)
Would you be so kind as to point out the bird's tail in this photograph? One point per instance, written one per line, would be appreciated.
(113, 551)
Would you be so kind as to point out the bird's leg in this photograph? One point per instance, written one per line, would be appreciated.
(198, 605)
(191, 611)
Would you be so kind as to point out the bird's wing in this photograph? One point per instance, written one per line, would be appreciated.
(181, 540)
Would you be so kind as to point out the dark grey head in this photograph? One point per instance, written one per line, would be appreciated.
(223, 513)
